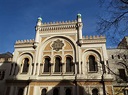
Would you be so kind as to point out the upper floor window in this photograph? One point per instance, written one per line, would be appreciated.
(68, 91)
(95, 91)
(92, 63)
(122, 74)
(47, 65)
(25, 65)
(68, 64)
(125, 57)
(2, 74)
(112, 57)
(118, 56)
(44, 91)
(56, 91)
(57, 64)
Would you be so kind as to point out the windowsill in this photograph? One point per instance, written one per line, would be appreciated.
(68, 73)
(92, 71)
(46, 73)
(57, 73)
(24, 73)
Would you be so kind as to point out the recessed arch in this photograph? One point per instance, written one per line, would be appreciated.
(95, 52)
(24, 61)
(96, 59)
(49, 39)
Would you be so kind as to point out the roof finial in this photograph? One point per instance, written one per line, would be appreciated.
(39, 21)
(79, 19)
(79, 15)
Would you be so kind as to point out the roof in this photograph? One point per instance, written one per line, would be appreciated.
(6, 55)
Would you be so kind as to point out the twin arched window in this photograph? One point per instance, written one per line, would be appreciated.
(92, 63)
(69, 64)
(47, 65)
(25, 65)
(57, 64)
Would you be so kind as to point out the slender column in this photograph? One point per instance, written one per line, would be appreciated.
(34, 69)
(38, 68)
(79, 51)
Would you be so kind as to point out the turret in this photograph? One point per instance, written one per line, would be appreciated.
(79, 18)
(39, 22)
(80, 25)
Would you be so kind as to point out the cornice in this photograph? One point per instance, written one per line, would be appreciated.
(18, 42)
(93, 39)
(57, 26)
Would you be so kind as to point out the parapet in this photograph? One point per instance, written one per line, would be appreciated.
(59, 22)
(93, 39)
(57, 25)
(24, 41)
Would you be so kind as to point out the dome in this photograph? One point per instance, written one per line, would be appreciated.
(79, 15)
(39, 19)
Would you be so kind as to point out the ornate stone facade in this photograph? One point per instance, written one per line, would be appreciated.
(60, 62)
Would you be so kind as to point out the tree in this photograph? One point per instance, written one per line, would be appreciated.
(114, 22)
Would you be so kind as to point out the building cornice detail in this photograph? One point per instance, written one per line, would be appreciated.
(57, 26)
(31, 41)
(93, 39)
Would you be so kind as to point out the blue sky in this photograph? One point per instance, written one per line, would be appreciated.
(18, 17)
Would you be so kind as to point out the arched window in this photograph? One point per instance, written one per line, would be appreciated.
(25, 65)
(56, 91)
(2, 74)
(92, 63)
(118, 56)
(47, 65)
(125, 57)
(57, 64)
(95, 91)
(68, 91)
(44, 91)
(112, 57)
(68, 64)
(20, 91)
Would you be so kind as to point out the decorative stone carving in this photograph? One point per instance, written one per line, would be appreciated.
(57, 45)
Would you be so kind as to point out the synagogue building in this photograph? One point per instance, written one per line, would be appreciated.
(61, 61)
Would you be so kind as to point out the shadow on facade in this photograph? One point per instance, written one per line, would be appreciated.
(64, 87)
(7, 76)
(13, 85)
